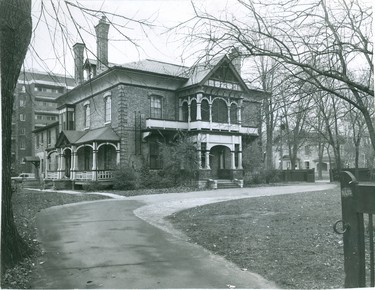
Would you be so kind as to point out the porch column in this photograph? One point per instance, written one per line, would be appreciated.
(240, 156)
(207, 166)
(94, 156)
(210, 106)
(239, 110)
(199, 112)
(118, 155)
(229, 121)
(46, 169)
(232, 161)
(61, 165)
(74, 163)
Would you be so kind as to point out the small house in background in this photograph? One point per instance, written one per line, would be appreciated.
(119, 114)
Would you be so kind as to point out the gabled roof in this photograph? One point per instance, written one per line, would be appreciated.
(81, 137)
(202, 72)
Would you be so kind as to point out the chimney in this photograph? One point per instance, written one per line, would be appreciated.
(78, 49)
(102, 45)
(235, 57)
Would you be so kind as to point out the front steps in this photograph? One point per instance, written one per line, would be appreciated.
(225, 183)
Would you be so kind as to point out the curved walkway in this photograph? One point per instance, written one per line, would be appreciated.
(126, 243)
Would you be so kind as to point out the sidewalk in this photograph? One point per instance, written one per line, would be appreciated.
(106, 245)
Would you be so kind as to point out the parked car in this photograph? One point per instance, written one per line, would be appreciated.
(23, 176)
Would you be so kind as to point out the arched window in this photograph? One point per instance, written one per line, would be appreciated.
(185, 112)
(219, 111)
(205, 109)
(193, 110)
(107, 109)
(233, 114)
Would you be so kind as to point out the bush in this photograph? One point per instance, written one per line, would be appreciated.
(126, 178)
(261, 176)
(95, 186)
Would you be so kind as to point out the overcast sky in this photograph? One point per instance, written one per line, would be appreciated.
(53, 37)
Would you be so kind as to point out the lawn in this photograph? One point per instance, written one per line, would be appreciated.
(287, 239)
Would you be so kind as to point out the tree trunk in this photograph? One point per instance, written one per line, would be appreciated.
(15, 35)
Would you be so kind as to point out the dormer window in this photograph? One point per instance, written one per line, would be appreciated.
(156, 105)
(107, 108)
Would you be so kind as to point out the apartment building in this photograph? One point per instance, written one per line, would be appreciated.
(34, 107)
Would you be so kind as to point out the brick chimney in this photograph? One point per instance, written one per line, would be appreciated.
(78, 49)
(102, 45)
(235, 57)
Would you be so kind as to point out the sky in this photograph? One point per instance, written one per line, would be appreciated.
(58, 26)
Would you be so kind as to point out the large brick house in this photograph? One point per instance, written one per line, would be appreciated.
(118, 114)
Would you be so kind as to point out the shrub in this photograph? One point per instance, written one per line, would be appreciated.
(262, 176)
(126, 178)
(95, 186)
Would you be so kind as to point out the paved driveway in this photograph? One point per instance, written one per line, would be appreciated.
(126, 243)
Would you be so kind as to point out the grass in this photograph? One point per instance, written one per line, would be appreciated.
(287, 239)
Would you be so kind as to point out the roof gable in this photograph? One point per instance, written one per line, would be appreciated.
(220, 72)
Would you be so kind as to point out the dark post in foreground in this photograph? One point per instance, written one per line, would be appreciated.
(357, 200)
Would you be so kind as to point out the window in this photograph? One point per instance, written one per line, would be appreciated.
(22, 117)
(205, 108)
(107, 109)
(156, 107)
(23, 89)
(155, 161)
(185, 112)
(41, 137)
(87, 116)
(38, 117)
(22, 131)
(233, 114)
(22, 144)
(37, 141)
(193, 110)
(22, 103)
(219, 111)
(49, 137)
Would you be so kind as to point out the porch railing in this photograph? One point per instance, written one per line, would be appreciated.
(84, 175)
(104, 175)
(358, 208)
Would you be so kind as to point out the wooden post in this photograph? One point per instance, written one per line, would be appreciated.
(354, 245)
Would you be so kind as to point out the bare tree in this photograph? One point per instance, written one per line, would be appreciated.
(15, 31)
(318, 42)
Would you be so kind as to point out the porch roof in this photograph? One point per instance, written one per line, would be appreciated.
(100, 134)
